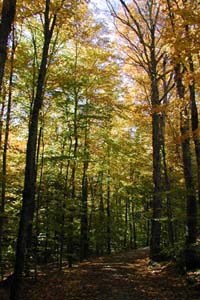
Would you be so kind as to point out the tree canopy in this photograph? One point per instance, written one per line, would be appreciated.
(99, 132)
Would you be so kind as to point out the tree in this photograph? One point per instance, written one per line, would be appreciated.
(28, 203)
(7, 18)
(143, 35)
(5, 149)
(180, 68)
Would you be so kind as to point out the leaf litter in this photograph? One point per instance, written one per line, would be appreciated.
(124, 276)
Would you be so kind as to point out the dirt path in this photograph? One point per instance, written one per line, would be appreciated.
(118, 277)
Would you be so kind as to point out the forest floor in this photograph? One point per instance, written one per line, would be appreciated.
(124, 276)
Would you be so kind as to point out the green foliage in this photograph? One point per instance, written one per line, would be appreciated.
(88, 120)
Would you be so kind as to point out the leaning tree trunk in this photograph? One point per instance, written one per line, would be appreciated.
(28, 204)
(7, 18)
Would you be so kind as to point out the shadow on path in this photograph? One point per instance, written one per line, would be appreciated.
(124, 276)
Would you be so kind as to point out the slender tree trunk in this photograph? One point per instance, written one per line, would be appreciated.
(65, 195)
(84, 241)
(168, 199)
(28, 204)
(155, 247)
(1, 117)
(126, 223)
(73, 187)
(134, 242)
(92, 205)
(108, 204)
(70, 246)
(101, 218)
(7, 18)
(39, 194)
(101, 224)
(148, 223)
(165, 168)
(47, 234)
(84, 204)
(5, 148)
(108, 225)
(84, 213)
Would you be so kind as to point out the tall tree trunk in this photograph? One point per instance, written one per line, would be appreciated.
(165, 168)
(133, 225)
(187, 162)
(92, 205)
(108, 200)
(191, 233)
(65, 195)
(5, 148)
(108, 212)
(148, 31)
(84, 203)
(84, 213)
(3, 103)
(126, 222)
(195, 122)
(101, 218)
(7, 18)
(147, 207)
(155, 247)
(28, 203)
(39, 194)
(70, 245)
(168, 199)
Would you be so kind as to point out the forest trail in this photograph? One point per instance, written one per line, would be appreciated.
(126, 276)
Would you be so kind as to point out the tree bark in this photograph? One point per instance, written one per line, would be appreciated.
(84, 214)
(108, 212)
(28, 202)
(147, 29)
(39, 193)
(126, 222)
(157, 138)
(65, 195)
(70, 245)
(187, 162)
(195, 123)
(134, 232)
(164, 160)
(156, 203)
(7, 18)
(84, 205)
(5, 148)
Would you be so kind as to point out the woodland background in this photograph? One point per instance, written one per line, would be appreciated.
(99, 132)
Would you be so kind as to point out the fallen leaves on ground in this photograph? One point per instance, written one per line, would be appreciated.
(126, 276)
